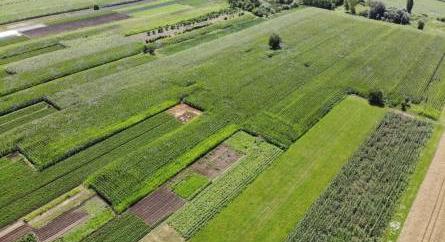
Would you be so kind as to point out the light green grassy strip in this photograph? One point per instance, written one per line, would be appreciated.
(404, 204)
(161, 10)
(138, 7)
(173, 168)
(270, 207)
(190, 185)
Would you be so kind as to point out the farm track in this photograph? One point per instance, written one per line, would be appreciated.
(426, 219)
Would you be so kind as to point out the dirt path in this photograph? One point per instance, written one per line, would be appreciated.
(426, 219)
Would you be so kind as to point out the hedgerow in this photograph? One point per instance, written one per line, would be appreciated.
(359, 202)
(194, 215)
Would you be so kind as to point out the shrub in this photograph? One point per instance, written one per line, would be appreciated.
(377, 10)
(149, 49)
(420, 24)
(28, 238)
(275, 42)
(376, 98)
(96, 7)
(397, 16)
(326, 4)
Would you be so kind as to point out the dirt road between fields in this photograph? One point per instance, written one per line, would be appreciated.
(426, 219)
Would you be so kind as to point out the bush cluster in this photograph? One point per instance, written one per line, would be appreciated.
(263, 8)
(326, 4)
(378, 11)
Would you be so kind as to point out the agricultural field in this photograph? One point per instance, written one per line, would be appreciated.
(214, 120)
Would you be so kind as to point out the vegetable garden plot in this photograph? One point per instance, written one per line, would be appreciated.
(216, 161)
(157, 206)
(14, 232)
(62, 27)
(61, 224)
(184, 112)
(360, 200)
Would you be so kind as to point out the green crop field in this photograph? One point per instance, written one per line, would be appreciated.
(290, 106)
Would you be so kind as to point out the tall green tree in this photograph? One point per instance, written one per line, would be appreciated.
(409, 5)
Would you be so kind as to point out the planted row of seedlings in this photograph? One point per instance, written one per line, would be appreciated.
(360, 201)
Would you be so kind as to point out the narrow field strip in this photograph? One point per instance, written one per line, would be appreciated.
(29, 75)
(73, 25)
(282, 194)
(33, 150)
(125, 228)
(26, 97)
(25, 190)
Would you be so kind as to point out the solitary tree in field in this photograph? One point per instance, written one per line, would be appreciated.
(409, 5)
(275, 42)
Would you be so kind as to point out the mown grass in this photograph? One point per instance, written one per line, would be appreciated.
(282, 194)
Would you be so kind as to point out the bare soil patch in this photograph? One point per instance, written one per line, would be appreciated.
(14, 232)
(183, 112)
(157, 206)
(163, 233)
(62, 27)
(426, 219)
(216, 161)
(60, 225)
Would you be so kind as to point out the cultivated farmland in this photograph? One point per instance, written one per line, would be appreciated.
(214, 120)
